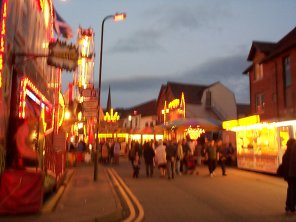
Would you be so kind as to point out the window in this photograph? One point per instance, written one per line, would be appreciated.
(287, 72)
(260, 103)
(258, 74)
(151, 124)
(287, 81)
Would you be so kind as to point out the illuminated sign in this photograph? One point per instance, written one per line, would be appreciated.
(62, 55)
(246, 121)
(194, 133)
(174, 104)
(111, 117)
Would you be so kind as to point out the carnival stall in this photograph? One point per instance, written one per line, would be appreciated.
(193, 127)
(260, 145)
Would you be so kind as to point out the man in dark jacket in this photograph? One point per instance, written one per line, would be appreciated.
(289, 174)
(171, 155)
(148, 154)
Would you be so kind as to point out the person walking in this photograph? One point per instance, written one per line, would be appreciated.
(179, 158)
(148, 154)
(211, 152)
(289, 174)
(160, 158)
(116, 152)
(136, 165)
(222, 156)
(186, 155)
(105, 153)
(171, 155)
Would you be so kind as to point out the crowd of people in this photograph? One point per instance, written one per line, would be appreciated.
(110, 151)
(182, 157)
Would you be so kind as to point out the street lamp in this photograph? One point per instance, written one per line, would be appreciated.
(116, 17)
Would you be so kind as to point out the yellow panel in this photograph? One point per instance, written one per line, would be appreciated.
(249, 120)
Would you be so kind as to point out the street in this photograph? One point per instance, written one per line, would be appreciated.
(240, 196)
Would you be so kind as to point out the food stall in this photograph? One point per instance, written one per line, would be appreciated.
(260, 145)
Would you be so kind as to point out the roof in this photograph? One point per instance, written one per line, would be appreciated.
(286, 43)
(145, 109)
(265, 47)
(192, 92)
(271, 49)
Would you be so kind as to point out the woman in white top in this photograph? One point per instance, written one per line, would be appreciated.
(160, 158)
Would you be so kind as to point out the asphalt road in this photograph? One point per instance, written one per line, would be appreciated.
(240, 196)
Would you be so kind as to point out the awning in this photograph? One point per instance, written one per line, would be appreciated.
(208, 124)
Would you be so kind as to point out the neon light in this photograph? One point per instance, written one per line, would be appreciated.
(174, 104)
(2, 38)
(112, 117)
(35, 95)
(183, 104)
(105, 135)
(43, 118)
(194, 133)
(246, 121)
(62, 105)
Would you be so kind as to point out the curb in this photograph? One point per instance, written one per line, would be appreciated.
(49, 205)
(130, 201)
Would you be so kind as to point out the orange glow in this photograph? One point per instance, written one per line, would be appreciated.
(2, 38)
(62, 108)
(45, 6)
(119, 17)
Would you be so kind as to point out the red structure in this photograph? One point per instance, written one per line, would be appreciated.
(272, 78)
(30, 106)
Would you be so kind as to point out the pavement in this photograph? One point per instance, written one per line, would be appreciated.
(80, 198)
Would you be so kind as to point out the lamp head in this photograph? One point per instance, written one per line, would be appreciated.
(119, 17)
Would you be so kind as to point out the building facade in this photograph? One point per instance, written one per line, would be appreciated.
(30, 100)
(179, 100)
(272, 76)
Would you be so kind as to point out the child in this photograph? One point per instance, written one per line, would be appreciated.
(136, 165)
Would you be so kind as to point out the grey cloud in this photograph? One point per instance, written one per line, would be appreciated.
(136, 84)
(227, 70)
(190, 16)
(168, 20)
(143, 40)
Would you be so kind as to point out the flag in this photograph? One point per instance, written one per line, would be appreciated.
(61, 27)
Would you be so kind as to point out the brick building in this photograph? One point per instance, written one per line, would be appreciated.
(272, 76)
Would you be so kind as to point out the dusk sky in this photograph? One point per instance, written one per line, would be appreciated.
(189, 41)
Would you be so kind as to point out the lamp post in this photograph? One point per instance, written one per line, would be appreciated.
(115, 17)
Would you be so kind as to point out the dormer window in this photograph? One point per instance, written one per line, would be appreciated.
(258, 74)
